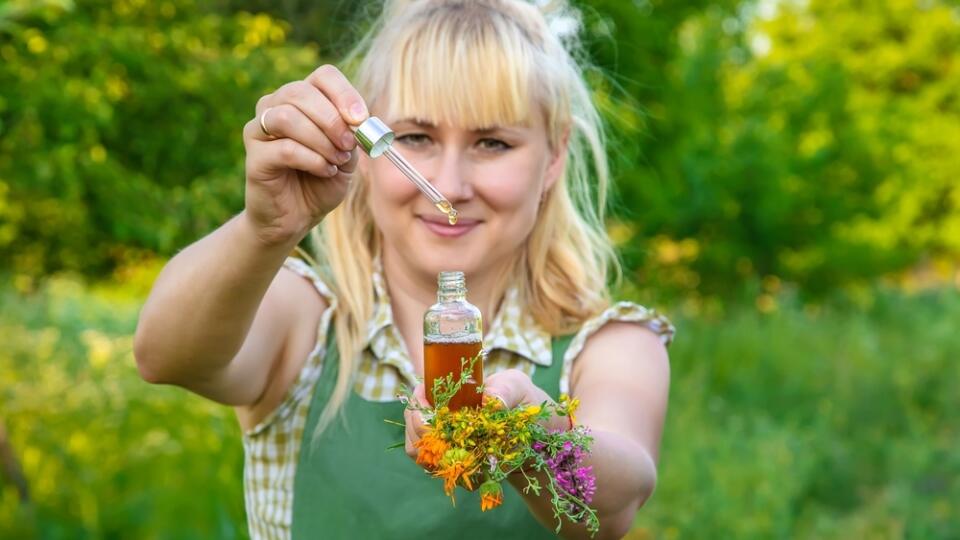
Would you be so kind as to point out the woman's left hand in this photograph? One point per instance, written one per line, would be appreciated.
(415, 427)
(511, 387)
(514, 388)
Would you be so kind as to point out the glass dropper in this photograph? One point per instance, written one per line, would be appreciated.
(376, 138)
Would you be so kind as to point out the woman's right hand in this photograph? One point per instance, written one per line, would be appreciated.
(299, 170)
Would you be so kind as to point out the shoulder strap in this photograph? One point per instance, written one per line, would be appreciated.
(559, 345)
(548, 377)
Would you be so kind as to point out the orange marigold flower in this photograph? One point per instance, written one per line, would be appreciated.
(491, 495)
(430, 450)
(456, 465)
(489, 502)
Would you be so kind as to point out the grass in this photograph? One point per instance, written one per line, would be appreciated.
(105, 454)
(835, 423)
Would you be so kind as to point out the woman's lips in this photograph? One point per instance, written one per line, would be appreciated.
(441, 227)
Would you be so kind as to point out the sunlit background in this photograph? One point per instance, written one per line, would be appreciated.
(787, 190)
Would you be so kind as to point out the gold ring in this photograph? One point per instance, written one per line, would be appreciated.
(263, 124)
(498, 398)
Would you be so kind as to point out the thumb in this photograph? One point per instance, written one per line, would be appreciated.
(420, 394)
(503, 388)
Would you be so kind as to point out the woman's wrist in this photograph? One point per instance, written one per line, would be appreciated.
(558, 423)
(267, 238)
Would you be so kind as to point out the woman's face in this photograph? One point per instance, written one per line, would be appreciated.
(495, 178)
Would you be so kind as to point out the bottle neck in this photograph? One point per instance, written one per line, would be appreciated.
(444, 297)
(451, 287)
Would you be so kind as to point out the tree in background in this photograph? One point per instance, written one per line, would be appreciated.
(120, 125)
(813, 142)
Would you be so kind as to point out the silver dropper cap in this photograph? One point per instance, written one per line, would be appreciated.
(374, 136)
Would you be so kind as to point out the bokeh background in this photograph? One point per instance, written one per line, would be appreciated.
(787, 191)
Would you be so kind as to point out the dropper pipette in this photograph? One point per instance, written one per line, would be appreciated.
(376, 138)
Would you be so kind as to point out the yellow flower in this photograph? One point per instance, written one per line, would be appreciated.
(494, 403)
(572, 408)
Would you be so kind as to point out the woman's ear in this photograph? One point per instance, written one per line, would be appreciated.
(558, 162)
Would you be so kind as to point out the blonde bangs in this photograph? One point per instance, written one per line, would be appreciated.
(452, 67)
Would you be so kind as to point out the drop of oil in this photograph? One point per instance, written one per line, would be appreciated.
(449, 210)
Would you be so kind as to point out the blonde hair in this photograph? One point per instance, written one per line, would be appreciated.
(475, 64)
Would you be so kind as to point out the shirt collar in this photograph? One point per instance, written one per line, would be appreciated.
(513, 329)
(382, 316)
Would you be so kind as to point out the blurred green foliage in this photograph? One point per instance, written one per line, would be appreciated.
(815, 142)
(120, 126)
(773, 151)
(814, 423)
(103, 454)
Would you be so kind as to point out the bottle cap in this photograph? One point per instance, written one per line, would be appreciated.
(374, 136)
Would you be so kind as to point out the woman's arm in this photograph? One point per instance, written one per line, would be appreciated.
(622, 379)
(195, 328)
(219, 314)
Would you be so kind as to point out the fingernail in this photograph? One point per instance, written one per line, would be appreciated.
(332, 170)
(348, 140)
(358, 110)
(343, 157)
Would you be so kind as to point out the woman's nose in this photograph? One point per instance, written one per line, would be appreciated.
(451, 176)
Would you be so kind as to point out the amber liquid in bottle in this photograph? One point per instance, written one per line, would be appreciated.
(442, 358)
(452, 339)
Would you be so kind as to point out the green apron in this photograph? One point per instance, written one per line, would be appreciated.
(347, 485)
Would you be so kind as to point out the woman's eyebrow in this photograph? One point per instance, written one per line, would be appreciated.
(502, 130)
(479, 132)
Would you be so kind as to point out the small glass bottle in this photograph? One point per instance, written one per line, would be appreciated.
(452, 332)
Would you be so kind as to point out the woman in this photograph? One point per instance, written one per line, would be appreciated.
(489, 105)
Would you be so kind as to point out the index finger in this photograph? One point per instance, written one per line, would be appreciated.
(415, 425)
(334, 84)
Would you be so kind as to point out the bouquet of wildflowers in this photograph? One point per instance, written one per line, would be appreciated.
(480, 447)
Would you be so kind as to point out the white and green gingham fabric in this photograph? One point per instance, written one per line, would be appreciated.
(513, 340)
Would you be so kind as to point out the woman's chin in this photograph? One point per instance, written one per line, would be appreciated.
(443, 258)
(459, 261)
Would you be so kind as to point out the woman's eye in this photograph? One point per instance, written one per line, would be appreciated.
(493, 144)
(414, 139)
